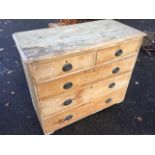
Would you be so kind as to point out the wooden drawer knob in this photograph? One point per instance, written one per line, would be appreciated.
(68, 85)
(118, 52)
(67, 67)
(69, 117)
(67, 102)
(115, 70)
(111, 85)
(108, 100)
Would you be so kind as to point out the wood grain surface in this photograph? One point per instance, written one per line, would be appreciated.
(92, 106)
(77, 70)
(45, 43)
(55, 104)
(83, 78)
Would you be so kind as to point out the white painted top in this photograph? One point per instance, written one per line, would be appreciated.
(50, 42)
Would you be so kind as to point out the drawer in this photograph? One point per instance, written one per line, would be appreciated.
(92, 106)
(53, 68)
(65, 101)
(118, 51)
(76, 81)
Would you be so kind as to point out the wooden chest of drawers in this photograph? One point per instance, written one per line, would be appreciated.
(75, 71)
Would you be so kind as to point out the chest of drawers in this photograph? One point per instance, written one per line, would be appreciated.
(75, 71)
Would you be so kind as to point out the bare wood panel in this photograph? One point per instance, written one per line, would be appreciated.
(81, 111)
(45, 43)
(84, 78)
(118, 51)
(32, 89)
(45, 71)
(57, 103)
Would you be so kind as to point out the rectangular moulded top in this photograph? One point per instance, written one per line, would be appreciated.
(52, 42)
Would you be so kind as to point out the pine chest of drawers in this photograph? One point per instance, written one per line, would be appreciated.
(75, 71)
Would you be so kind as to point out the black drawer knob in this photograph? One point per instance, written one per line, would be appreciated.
(118, 52)
(69, 117)
(111, 85)
(115, 70)
(67, 67)
(68, 85)
(108, 100)
(67, 102)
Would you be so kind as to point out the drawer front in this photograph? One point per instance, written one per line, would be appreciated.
(69, 100)
(45, 71)
(118, 51)
(92, 106)
(83, 78)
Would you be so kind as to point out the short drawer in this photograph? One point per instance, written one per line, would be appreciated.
(118, 51)
(76, 81)
(62, 102)
(45, 71)
(92, 106)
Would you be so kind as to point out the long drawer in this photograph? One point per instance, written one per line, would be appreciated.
(92, 106)
(68, 100)
(83, 78)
